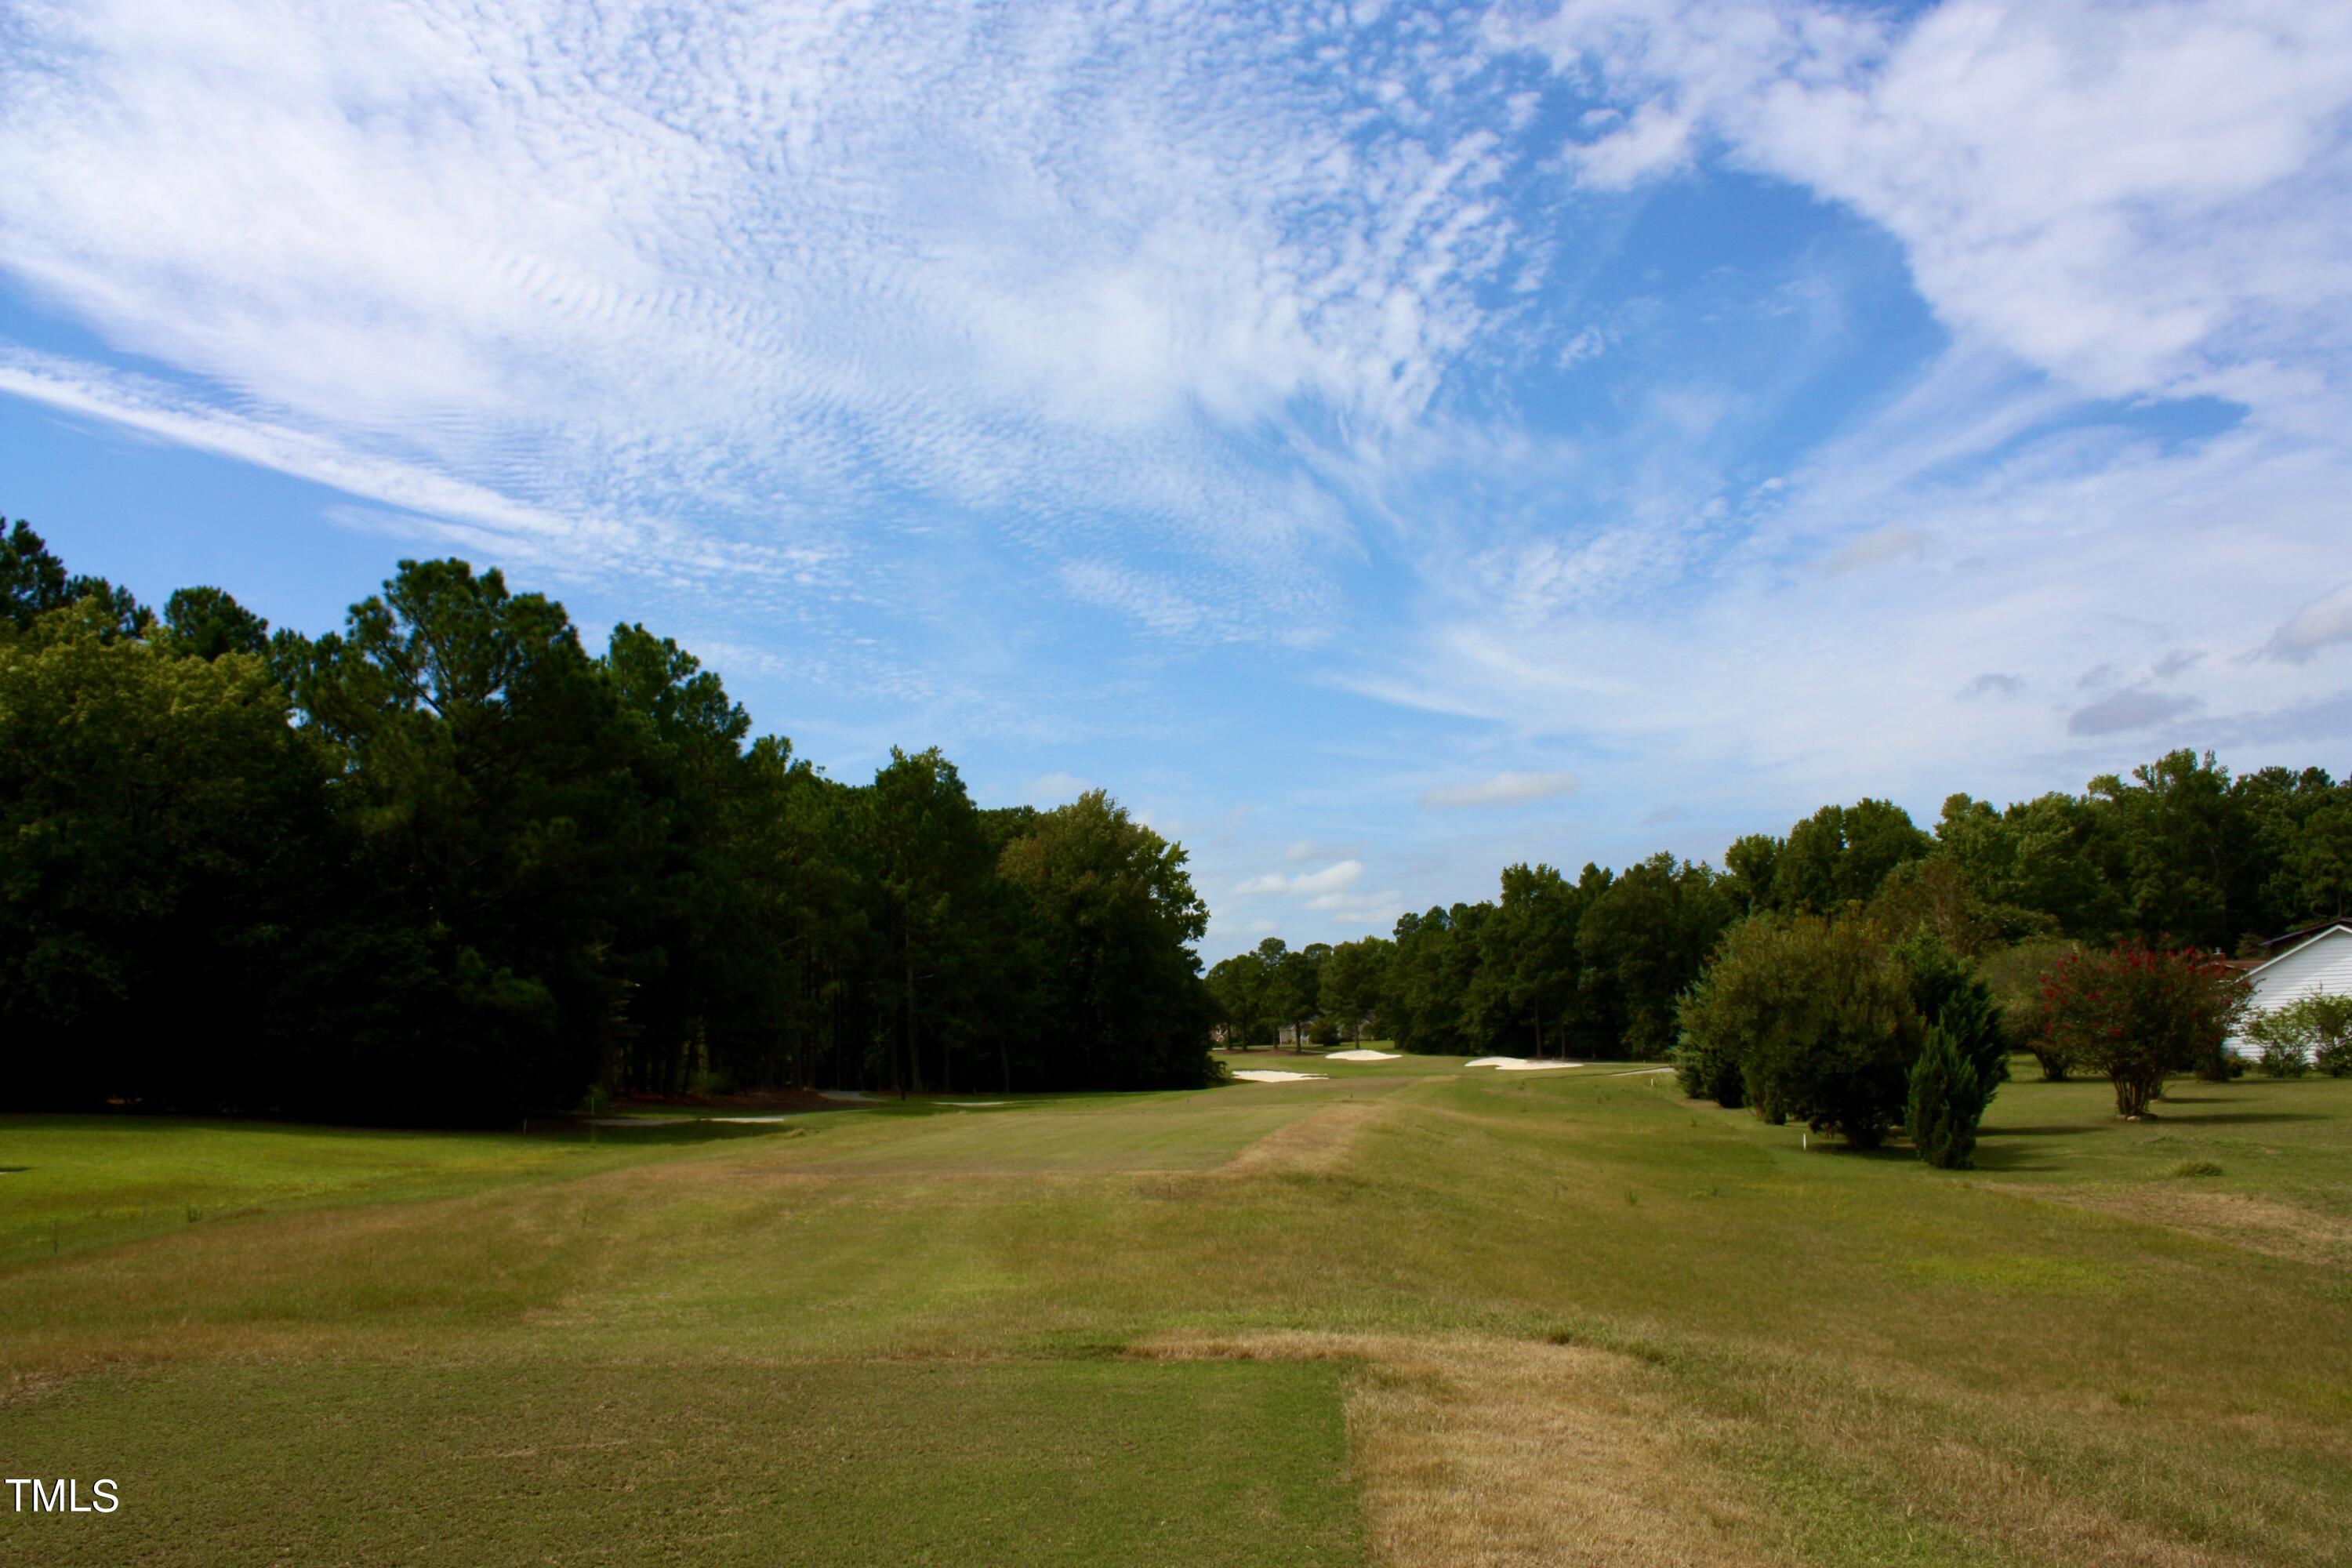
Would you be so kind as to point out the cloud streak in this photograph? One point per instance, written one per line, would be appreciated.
(1506, 788)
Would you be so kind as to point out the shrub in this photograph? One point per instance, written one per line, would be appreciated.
(1817, 1016)
(2282, 1047)
(2313, 1031)
(1704, 1064)
(2015, 976)
(1950, 997)
(1945, 1102)
(2224, 1065)
(2138, 1013)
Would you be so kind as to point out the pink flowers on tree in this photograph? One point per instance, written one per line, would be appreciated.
(2138, 1013)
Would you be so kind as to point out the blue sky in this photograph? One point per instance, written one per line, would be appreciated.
(1376, 442)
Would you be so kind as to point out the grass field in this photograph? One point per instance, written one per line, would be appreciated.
(1409, 1314)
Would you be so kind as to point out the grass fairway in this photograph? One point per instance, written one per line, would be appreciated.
(1411, 1313)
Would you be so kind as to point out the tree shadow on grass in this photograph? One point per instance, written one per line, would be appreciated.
(1992, 1157)
(2164, 1116)
(2063, 1130)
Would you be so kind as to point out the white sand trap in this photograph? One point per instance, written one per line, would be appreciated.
(1518, 1064)
(1359, 1056)
(1269, 1075)
(756, 1121)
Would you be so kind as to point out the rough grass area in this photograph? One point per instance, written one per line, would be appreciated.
(1564, 1318)
(949, 1463)
(70, 1182)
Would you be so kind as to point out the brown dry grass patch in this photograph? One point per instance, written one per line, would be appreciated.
(1318, 1144)
(2268, 1226)
(1473, 1451)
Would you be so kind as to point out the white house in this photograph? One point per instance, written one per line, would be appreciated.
(2311, 961)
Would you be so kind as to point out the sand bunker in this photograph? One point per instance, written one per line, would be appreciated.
(1359, 1056)
(1518, 1064)
(1270, 1075)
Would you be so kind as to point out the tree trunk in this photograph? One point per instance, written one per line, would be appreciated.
(914, 1046)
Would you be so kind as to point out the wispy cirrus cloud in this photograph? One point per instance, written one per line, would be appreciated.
(1061, 270)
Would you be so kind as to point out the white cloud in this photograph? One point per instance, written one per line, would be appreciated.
(1507, 788)
(2133, 196)
(1071, 272)
(2323, 623)
(2056, 551)
(1375, 913)
(1333, 878)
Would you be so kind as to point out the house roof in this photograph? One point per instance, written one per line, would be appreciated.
(2309, 935)
(2297, 936)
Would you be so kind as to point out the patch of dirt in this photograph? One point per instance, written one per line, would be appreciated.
(1479, 1452)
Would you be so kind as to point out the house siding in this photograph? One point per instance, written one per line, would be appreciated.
(2323, 963)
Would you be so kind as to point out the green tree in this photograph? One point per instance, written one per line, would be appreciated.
(1237, 991)
(1643, 936)
(1840, 854)
(160, 827)
(2182, 850)
(1525, 981)
(1430, 976)
(1951, 997)
(930, 855)
(2319, 864)
(1818, 1016)
(1353, 982)
(206, 623)
(1121, 916)
(1945, 1102)
(482, 765)
(32, 582)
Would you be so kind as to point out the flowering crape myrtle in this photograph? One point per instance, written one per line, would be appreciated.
(2138, 1013)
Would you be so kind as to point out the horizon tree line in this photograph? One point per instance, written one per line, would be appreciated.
(446, 864)
(2178, 851)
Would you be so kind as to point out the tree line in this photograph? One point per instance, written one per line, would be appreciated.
(448, 865)
(2177, 853)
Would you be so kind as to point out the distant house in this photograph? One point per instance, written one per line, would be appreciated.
(2302, 962)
